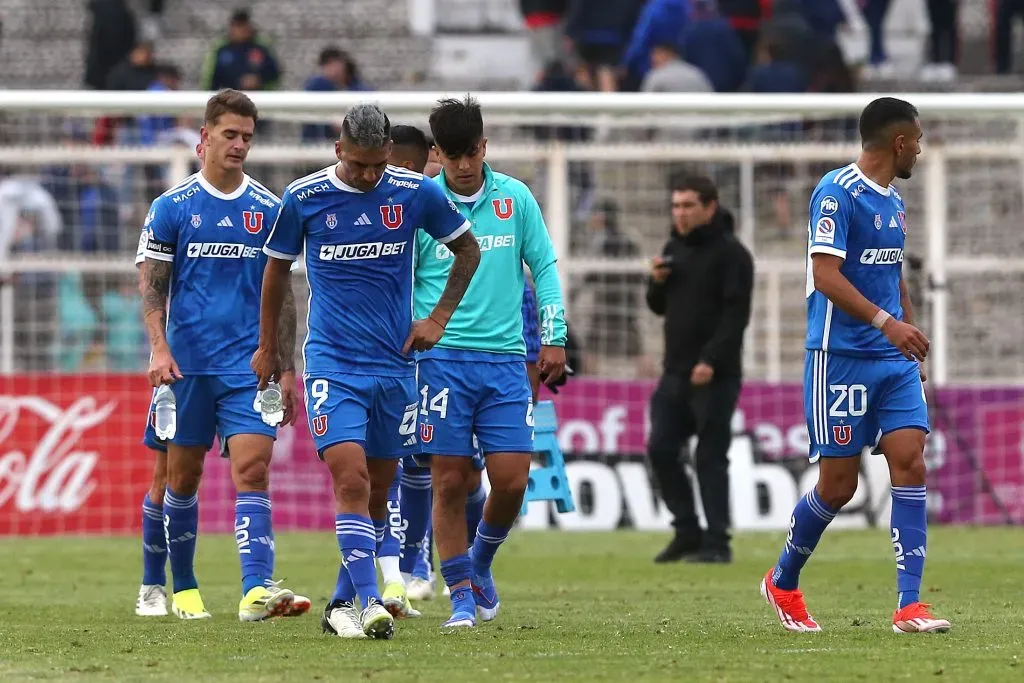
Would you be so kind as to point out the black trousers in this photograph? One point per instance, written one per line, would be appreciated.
(943, 42)
(679, 411)
(1006, 12)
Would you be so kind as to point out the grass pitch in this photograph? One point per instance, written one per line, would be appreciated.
(575, 607)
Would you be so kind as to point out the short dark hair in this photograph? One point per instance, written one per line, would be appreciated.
(409, 136)
(240, 16)
(329, 54)
(229, 101)
(703, 186)
(167, 71)
(457, 125)
(882, 113)
(410, 143)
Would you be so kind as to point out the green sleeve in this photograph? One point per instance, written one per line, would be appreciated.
(539, 254)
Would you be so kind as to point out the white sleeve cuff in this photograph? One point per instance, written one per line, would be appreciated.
(457, 233)
(832, 251)
(169, 258)
(279, 254)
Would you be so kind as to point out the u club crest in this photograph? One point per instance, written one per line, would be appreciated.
(842, 434)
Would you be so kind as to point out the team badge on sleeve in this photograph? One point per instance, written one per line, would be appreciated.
(825, 230)
(903, 221)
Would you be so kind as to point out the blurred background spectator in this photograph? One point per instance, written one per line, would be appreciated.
(243, 59)
(338, 71)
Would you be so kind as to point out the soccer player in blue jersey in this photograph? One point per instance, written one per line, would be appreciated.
(358, 221)
(863, 374)
(204, 254)
(474, 383)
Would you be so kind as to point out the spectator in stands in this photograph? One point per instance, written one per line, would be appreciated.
(30, 223)
(121, 309)
(660, 23)
(543, 19)
(711, 44)
(874, 12)
(599, 31)
(613, 334)
(943, 41)
(1006, 12)
(670, 74)
(243, 59)
(745, 16)
(773, 72)
(168, 77)
(338, 71)
(112, 35)
(136, 71)
(556, 78)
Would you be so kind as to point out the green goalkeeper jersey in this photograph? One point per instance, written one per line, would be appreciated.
(508, 224)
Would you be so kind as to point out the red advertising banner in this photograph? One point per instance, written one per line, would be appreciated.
(71, 457)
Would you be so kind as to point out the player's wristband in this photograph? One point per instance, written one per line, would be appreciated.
(436, 321)
(882, 317)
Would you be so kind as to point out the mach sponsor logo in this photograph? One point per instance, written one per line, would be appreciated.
(221, 250)
(190, 192)
(307, 192)
(361, 251)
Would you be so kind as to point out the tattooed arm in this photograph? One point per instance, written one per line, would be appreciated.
(425, 333)
(156, 276)
(268, 361)
(467, 257)
(286, 330)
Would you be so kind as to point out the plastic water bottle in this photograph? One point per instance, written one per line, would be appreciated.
(166, 408)
(271, 402)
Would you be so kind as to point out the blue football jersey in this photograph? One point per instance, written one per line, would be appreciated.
(215, 242)
(359, 263)
(864, 224)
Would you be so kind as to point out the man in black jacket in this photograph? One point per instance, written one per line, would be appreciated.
(702, 284)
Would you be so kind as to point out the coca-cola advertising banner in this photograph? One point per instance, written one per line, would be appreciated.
(71, 460)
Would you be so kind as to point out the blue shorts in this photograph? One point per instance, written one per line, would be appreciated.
(465, 399)
(150, 440)
(531, 324)
(423, 460)
(851, 402)
(209, 405)
(378, 413)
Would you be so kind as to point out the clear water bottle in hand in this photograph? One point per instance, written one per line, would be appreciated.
(271, 404)
(166, 408)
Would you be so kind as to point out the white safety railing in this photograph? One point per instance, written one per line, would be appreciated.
(765, 345)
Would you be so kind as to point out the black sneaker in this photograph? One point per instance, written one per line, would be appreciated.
(711, 556)
(679, 547)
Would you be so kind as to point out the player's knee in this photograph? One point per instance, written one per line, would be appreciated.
(451, 484)
(909, 470)
(183, 475)
(511, 483)
(252, 475)
(837, 490)
(352, 488)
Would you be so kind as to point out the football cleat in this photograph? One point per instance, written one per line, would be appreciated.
(915, 618)
(460, 620)
(396, 601)
(342, 619)
(152, 601)
(486, 597)
(377, 622)
(419, 589)
(264, 602)
(789, 606)
(188, 604)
